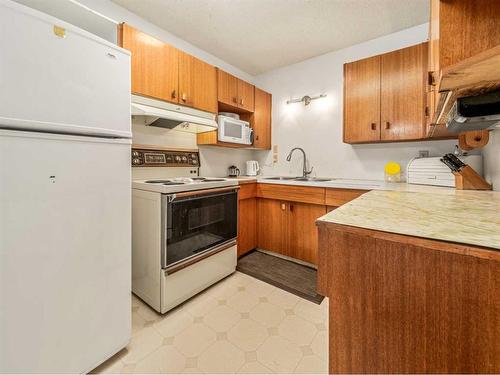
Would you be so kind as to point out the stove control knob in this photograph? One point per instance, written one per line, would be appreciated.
(184, 159)
(177, 158)
(194, 156)
(135, 154)
(136, 161)
(194, 161)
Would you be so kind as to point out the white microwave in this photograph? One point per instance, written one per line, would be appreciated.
(234, 131)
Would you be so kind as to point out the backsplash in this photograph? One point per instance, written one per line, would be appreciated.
(214, 160)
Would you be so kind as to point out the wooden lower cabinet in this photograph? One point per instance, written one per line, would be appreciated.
(402, 304)
(247, 225)
(272, 225)
(302, 231)
(289, 228)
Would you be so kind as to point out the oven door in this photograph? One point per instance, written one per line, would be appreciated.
(196, 224)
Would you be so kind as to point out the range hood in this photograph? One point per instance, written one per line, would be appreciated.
(152, 112)
(478, 112)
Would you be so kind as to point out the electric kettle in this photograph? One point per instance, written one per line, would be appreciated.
(252, 168)
(233, 171)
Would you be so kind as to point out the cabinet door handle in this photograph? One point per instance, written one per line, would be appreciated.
(174, 94)
(387, 125)
(374, 125)
(241, 101)
(291, 208)
(184, 97)
(283, 206)
(235, 100)
(256, 137)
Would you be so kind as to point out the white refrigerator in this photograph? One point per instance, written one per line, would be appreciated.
(65, 195)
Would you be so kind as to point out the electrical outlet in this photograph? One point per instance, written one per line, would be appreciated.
(423, 153)
(275, 154)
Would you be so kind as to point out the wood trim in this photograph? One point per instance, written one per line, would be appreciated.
(291, 193)
(473, 71)
(439, 245)
(194, 260)
(210, 139)
(247, 191)
(338, 197)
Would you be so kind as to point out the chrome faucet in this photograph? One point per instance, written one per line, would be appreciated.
(305, 172)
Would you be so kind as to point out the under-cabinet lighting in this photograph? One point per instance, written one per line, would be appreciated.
(306, 99)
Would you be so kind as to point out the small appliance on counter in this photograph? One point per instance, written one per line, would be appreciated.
(233, 171)
(466, 178)
(431, 171)
(252, 168)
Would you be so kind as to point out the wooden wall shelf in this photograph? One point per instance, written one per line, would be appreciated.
(476, 71)
(475, 75)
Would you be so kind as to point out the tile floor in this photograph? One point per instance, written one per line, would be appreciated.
(240, 325)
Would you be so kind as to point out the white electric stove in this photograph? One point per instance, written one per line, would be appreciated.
(184, 227)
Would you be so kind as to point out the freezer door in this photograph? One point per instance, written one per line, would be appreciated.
(65, 251)
(58, 78)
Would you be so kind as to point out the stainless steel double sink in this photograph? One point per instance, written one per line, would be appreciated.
(308, 179)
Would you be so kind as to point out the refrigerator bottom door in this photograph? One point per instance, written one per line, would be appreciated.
(65, 251)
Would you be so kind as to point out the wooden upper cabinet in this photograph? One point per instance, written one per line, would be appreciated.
(227, 88)
(246, 99)
(262, 120)
(197, 83)
(385, 97)
(466, 28)
(235, 92)
(362, 101)
(154, 64)
(402, 93)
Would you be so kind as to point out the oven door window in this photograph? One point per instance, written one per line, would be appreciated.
(197, 224)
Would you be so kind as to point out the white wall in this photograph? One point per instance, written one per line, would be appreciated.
(491, 155)
(318, 127)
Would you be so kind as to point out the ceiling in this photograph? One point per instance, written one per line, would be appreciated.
(261, 35)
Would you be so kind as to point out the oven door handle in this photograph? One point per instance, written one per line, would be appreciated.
(195, 259)
(201, 193)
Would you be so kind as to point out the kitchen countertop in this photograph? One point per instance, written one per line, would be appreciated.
(441, 213)
(344, 183)
(468, 217)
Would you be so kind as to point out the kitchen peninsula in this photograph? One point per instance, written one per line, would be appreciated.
(419, 296)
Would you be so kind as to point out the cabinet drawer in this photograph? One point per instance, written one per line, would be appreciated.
(247, 191)
(290, 193)
(337, 197)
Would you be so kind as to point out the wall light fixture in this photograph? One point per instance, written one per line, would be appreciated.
(306, 99)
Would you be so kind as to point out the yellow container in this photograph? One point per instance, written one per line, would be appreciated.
(392, 172)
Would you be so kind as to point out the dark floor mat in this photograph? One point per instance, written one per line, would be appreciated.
(284, 274)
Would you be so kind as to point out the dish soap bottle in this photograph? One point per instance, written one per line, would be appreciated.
(392, 172)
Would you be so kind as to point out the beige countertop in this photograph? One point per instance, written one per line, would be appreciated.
(468, 217)
(344, 183)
